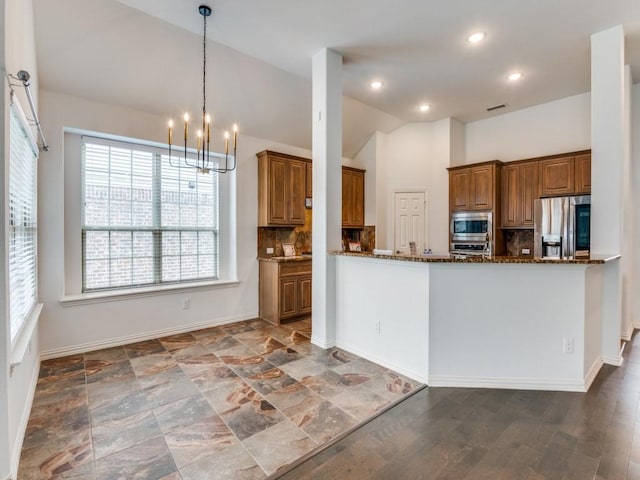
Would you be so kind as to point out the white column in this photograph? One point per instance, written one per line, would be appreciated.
(628, 239)
(327, 191)
(607, 140)
(607, 166)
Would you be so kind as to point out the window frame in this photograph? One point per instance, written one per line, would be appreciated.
(160, 160)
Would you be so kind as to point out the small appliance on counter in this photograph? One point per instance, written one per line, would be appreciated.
(471, 233)
(562, 227)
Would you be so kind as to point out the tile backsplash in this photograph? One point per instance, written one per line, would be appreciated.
(516, 240)
(301, 237)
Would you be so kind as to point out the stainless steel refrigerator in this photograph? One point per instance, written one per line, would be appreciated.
(562, 227)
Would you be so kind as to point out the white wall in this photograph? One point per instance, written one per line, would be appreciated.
(416, 157)
(560, 126)
(391, 333)
(17, 388)
(82, 326)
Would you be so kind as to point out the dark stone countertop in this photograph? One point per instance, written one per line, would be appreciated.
(295, 258)
(592, 260)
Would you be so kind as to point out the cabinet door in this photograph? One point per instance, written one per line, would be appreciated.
(309, 180)
(557, 176)
(510, 196)
(583, 174)
(528, 192)
(288, 300)
(459, 185)
(277, 191)
(304, 294)
(295, 186)
(352, 198)
(482, 187)
(357, 199)
(347, 199)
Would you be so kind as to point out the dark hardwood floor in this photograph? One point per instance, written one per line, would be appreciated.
(453, 433)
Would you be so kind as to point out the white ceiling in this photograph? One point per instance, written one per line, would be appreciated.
(146, 54)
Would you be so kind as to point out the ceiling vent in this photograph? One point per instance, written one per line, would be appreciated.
(496, 107)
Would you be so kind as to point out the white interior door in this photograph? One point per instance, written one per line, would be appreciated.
(409, 223)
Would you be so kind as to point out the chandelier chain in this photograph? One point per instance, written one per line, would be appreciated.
(204, 71)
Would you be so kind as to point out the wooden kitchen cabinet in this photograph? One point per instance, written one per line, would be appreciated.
(281, 189)
(519, 191)
(352, 197)
(557, 176)
(284, 289)
(309, 180)
(567, 174)
(475, 187)
(583, 174)
(459, 191)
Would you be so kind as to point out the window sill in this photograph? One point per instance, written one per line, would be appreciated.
(115, 295)
(23, 340)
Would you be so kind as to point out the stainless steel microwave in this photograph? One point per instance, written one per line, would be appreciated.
(471, 226)
(471, 233)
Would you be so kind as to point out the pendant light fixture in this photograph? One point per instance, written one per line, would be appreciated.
(205, 160)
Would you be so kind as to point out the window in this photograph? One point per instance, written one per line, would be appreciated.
(22, 222)
(144, 221)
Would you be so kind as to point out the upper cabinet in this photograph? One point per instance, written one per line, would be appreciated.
(519, 191)
(281, 189)
(583, 173)
(568, 174)
(557, 176)
(352, 197)
(474, 187)
(309, 181)
(525, 181)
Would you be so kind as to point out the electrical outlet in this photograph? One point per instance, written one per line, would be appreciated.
(269, 250)
(567, 345)
(526, 251)
(378, 326)
(186, 304)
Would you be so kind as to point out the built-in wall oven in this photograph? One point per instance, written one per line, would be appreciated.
(471, 233)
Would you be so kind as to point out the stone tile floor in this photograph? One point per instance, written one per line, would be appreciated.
(238, 401)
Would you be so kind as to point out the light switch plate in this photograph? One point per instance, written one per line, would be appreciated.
(526, 251)
(269, 250)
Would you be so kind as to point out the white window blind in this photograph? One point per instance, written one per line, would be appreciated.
(145, 222)
(22, 222)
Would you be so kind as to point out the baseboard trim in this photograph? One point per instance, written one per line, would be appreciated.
(592, 373)
(22, 428)
(629, 333)
(616, 360)
(149, 335)
(380, 361)
(508, 383)
(322, 344)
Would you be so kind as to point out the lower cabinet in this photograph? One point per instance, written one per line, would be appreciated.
(285, 289)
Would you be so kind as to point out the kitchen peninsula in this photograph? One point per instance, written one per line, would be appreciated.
(501, 322)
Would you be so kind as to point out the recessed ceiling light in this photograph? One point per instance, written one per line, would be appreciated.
(424, 107)
(476, 37)
(376, 84)
(515, 76)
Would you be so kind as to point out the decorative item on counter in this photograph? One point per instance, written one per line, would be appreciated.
(288, 249)
(355, 247)
(412, 248)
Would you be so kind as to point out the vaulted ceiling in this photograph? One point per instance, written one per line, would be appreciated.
(147, 54)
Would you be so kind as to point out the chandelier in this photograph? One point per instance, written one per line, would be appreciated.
(205, 160)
